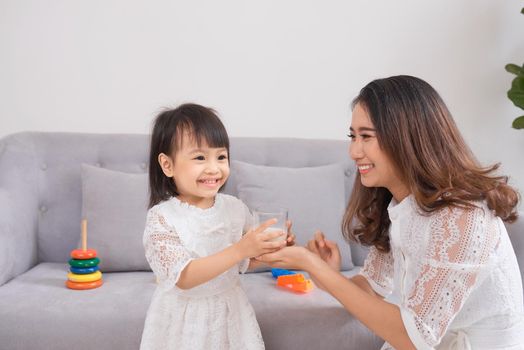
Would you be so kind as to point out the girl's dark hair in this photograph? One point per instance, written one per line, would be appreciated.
(201, 123)
(415, 129)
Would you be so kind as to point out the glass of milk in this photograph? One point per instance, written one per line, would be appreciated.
(264, 213)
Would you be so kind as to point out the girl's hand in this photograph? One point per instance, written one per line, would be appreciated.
(257, 242)
(327, 250)
(289, 257)
(290, 239)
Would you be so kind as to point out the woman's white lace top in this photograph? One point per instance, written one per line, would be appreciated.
(454, 276)
(215, 314)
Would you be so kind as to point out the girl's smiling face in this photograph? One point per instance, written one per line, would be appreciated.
(374, 166)
(198, 171)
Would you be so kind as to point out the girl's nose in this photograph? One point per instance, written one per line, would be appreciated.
(212, 167)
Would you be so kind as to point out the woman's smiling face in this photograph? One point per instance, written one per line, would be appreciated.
(374, 166)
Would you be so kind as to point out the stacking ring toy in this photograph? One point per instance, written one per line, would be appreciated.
(81, 254)
(85, 273)
(90, 277)
(83, 285)
(83, 270)
(84, 263)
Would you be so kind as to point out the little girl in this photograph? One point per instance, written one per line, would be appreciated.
(194, 239)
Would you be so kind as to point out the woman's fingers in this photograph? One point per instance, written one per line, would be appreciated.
(287, 257)
(331, 244)
(319, 238)
(270, 257)
(313, 246)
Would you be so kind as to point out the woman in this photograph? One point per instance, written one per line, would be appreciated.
(441, 271)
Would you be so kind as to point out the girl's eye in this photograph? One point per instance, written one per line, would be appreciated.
(199, 158)
(222, 157)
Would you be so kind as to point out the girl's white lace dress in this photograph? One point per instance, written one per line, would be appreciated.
(454, 276)
(214, 315)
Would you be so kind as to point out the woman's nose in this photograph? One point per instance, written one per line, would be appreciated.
(355, 150)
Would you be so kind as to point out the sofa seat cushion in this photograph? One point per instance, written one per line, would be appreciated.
(37, 311)
(314, 320)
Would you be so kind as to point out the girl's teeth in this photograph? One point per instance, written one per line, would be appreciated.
(365, 167)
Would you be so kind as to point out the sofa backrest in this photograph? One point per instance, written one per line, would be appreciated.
(51, 166)
(45, 168)
(40, 183)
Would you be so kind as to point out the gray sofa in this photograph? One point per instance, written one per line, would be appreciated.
(40, 212)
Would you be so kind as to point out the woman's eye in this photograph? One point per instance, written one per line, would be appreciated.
(351, 136)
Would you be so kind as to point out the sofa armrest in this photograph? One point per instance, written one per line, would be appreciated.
(7, 259)
(516, 234)
(18, 208)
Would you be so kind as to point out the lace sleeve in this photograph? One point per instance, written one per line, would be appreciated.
(461, 241)
(378, 271)
(248, 223)
(164, 250)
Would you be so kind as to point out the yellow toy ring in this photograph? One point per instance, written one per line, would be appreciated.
(90, 277)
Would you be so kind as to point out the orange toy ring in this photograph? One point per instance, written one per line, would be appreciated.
(83, 285)
(80, 254)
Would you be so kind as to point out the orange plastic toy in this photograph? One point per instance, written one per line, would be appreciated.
(83, 285)
(295, 282)
(84, 266)
(81, 254)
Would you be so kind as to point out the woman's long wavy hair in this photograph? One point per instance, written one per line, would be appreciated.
(169, 128)
(415, 129)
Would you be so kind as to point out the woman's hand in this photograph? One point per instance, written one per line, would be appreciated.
(290, 239)
(257, 242)
(327, 250)
(289, 257)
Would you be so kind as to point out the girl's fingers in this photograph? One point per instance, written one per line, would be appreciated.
(272, 234)
(274, 245)
(265, 225)
(266, 244)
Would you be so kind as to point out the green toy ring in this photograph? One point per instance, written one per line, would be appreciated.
(84, 263)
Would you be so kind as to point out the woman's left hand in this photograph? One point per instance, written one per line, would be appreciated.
(290, 239)
(289, 257)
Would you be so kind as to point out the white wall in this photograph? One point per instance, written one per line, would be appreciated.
(271, 68)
